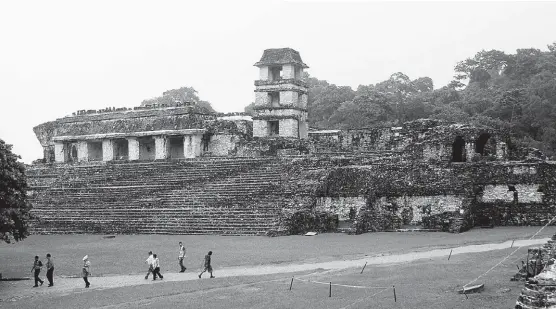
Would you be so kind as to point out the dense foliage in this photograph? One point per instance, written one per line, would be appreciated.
(181, 95)
(14, 207)
(513, 92)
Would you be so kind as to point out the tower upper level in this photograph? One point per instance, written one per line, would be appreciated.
(280, 95)
(278, 64)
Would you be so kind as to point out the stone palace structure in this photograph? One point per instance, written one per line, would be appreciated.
(173, 169)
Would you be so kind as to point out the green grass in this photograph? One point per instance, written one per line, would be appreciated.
(426, 283)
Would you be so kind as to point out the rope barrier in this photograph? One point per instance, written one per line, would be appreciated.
(344, 285)
(506, 257)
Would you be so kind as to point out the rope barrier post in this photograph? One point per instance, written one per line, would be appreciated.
(330, 290)
(291, 284)
(394, 288)
(450, 254)
(364, 267)
(527, 266)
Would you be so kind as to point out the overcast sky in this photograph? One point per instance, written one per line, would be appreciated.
(57, 57)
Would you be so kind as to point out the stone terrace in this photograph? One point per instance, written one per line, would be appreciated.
(204, 196)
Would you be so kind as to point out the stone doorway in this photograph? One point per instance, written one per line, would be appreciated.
(121, 151)
(458, 150)
(146, 148)
(94, 151)
(175, 147)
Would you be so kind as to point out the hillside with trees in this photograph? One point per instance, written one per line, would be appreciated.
(513, 92)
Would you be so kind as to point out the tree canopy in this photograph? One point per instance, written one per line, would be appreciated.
(181, 95)
(514, 92)
(14, 207)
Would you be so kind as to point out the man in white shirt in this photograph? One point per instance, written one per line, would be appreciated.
(156, 266)
(181, 256)
(150, 262)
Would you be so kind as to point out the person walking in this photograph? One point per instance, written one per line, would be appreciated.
(37, 270)
(208, 266)
(181, 256)
(156, 268)
(49, 270)
(86, 271)
(149, 262)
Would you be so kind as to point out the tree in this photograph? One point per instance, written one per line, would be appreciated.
(250, 109)
(182, 95)
(14, 206)
(362, 111)
(324, 100)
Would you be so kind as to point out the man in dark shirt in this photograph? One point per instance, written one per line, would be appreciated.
(49, 270)
(208, 267)
(37, 270)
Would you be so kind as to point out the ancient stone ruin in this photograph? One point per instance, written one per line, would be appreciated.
(540, 275)
(171, 169)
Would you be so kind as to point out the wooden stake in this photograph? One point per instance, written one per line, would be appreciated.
(364, 267)
(450, 254)
(527, 266)
(394, 288)
(291, 284)
(330, 290)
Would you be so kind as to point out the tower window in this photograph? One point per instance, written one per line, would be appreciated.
(274, 98)
(274, 128)
(276, 73)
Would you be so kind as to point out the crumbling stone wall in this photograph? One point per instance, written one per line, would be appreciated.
(315, 193)
(423, 139)
(448, 197)
(540, 290)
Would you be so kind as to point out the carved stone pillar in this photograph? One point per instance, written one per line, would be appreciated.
(59, 155)
(107, 150)
(161, 147)
(192, 146)
(82, 151)
(133, 148)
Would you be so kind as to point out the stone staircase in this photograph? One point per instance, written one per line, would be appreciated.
(240, 196)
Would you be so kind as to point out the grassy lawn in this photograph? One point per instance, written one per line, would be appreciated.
(429, 283)
(126, 254)
(425, 283)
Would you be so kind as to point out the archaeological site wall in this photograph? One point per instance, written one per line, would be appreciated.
(278, 195)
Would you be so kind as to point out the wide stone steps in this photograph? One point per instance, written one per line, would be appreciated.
(216, 196)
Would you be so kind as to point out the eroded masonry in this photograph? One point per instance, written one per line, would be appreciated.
(171, 169)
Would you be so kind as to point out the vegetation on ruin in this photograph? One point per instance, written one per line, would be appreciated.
(512, 92)
(181, 95)
(14, 207)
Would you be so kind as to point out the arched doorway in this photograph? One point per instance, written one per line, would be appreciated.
(481, 143)
(73, 153)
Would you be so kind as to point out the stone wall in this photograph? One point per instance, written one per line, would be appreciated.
(540, 290)
(445, 196)
(317, 192)
(344, 207)
(424, 139)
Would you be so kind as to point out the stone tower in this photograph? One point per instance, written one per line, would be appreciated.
(280, 95)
